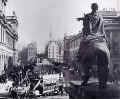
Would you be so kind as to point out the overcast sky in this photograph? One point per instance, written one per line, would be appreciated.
(37, 18)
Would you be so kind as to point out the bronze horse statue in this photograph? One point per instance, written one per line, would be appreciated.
(93, 48)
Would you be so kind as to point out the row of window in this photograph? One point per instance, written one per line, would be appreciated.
(6, 38)
(52, 52)
(2, 34)
(56, 52)
(52, 56)
(9, 41)
(3, 59)
(75, 43)
(74, 53)
(52, 48)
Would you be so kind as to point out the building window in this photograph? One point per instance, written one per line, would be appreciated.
(0, 59)
(53, 51)
(1, 34)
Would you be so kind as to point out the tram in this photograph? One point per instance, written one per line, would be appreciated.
(49, 82)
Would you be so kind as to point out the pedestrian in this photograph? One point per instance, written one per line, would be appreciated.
(61, 89)
(61, 84)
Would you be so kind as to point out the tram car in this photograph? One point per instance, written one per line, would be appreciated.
(48, 82)
(47, 85)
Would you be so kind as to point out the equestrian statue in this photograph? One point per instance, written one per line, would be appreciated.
(93, 48)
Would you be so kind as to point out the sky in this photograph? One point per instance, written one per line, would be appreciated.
(38, 18)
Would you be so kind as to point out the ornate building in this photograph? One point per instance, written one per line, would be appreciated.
(8, 36)
(55, 51)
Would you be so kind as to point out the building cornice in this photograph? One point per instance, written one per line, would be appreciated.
(8, 27)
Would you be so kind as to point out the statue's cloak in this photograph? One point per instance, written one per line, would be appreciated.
(94, 39)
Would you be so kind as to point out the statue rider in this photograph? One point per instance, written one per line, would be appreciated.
(93, 43)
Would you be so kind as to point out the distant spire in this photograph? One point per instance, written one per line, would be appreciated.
(50, 33)
(50, 36)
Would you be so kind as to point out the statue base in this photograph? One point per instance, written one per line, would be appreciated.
(92, 91)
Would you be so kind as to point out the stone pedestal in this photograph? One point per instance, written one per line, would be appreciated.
(92, 91)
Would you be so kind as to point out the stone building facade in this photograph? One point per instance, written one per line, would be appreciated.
(112, 29)
(55, 51)
(8, 36)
